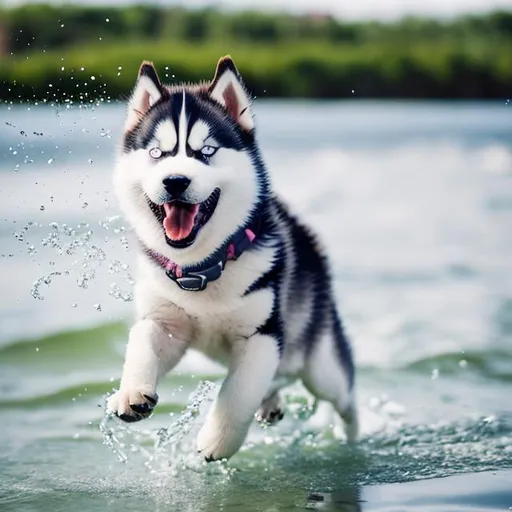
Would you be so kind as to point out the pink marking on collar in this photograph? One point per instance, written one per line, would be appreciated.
(231, 252)
(250, 235)
(178, 271)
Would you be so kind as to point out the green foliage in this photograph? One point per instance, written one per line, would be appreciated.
(278, 54)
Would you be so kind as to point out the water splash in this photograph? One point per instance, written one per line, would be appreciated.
(46, 280)
(166, 450)
(122, 270)
(79, 241)
(116, 292)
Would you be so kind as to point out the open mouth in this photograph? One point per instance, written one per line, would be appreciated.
(183, 221)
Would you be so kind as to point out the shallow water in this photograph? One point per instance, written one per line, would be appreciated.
(414, 203)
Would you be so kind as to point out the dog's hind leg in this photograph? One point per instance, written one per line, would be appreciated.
(329, 377)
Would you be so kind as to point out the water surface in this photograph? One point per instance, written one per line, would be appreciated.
(414, 204)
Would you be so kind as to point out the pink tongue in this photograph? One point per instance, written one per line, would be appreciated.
(179, 219)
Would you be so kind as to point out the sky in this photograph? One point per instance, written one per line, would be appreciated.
(348, 9)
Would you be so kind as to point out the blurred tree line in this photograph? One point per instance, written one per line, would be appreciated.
(279, 54)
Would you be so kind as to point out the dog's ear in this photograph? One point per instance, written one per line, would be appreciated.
(227, 88)
(148, 90)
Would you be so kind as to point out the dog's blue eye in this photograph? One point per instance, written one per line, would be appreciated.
(155, 153)
(208, 150)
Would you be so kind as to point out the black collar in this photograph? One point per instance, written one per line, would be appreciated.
(196, 278)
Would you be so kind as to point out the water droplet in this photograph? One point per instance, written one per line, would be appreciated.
(85, 205)
(97, 306)
(93, 77)
(74, 305)
(116, 292)
(123, 240)
(39, 282)
(435, 374)
(51, 160)
(463, 363)
(90, 161)
(42, 207)
(107, 20)
(37, 349)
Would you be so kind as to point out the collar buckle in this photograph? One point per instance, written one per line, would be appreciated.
(193, 282)
(197, 281)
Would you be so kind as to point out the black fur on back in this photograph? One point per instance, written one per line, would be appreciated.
(309, 283)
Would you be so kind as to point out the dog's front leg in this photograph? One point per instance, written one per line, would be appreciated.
(251, 371)
(151, 352)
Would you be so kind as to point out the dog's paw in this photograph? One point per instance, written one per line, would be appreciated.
(269, 416)
(218, 439)
(132, 405)
(271, 411)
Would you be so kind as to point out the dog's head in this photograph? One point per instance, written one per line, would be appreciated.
(189, 173)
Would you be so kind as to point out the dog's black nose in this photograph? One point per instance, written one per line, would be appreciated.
(176, 185)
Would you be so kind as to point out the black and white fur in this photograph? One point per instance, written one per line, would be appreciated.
(271, 317)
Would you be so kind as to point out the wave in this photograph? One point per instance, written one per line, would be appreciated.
(66, 344)
(492, 364)
(60, 397)
(107, 341)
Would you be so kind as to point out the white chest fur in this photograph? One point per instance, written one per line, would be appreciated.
(216, 316)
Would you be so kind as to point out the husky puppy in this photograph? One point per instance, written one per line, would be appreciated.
(223, 267)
